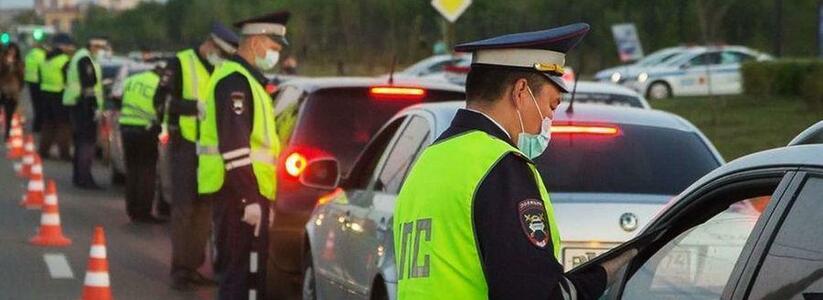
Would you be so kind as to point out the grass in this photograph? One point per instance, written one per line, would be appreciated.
(740, 125)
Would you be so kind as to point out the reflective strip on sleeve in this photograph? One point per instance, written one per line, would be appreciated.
(201, 150)
(237, 153)
(238, 163)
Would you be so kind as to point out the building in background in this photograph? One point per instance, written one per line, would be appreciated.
(116, 5)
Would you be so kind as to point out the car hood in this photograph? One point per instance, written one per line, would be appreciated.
(586, 217)
(624, 70)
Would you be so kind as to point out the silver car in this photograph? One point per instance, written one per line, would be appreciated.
(610, 170)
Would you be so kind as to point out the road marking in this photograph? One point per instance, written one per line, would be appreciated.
(58, 266)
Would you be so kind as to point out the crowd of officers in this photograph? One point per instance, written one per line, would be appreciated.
(213, 106)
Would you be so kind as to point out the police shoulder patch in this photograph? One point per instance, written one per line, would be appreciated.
(237, 99)
(532, 215)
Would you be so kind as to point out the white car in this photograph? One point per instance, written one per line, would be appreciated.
(605, 93)
(434, 64)
(697, 71)
(620, 73)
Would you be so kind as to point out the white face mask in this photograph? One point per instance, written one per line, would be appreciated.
(100, 54)
(214, 59)
(268, 62)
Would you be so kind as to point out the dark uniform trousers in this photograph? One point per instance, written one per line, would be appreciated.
(9, 106)
(85, 139)
(36, 105)
(140, 146)
(55, 125)
(190, 216)
(236, 241)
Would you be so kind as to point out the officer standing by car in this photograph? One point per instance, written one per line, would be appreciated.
(474, 220)
(238, 154)
(185, 88)
(139, 127)
(55, 124)
(34, 58)
(84, 97)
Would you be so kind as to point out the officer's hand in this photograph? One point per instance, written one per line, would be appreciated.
(252, 215)
(613, 265)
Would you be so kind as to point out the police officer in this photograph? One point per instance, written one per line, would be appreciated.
(34, 58)
(139, 126)
(185, 86)
(55, 124)
(474, 220)
(237, 161)
(84, 97)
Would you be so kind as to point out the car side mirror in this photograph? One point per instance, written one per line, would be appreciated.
(322, 173)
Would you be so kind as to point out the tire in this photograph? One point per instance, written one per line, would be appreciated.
(659, 90)
(309, 278)
(378, 290)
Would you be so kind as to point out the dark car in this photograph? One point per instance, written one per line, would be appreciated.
(324, 117)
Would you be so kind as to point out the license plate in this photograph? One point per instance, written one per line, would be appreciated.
(573, 257)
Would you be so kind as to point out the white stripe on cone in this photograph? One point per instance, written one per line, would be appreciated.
(98, 251)
(50, 219)
(97, 279)
(51, 200)
(36, 185)
(36, 169)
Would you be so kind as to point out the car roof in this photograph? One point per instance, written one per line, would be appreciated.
(812, 135)
(604, 88)
(319, 83)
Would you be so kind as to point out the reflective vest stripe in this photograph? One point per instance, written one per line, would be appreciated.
(236, 153)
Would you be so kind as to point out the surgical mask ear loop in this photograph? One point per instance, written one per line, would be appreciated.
(535, 103)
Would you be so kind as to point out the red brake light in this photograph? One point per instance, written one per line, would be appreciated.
(295, 164)
(599, 130)
(393, 92)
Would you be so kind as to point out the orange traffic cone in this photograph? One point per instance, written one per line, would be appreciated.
(50, 233)
(34, 193)
(28, 158)
(97, 286)
(16, 139)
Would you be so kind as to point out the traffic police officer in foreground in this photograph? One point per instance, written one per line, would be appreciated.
(139, 127)
(474, 220)
(238, 152)
(185, 85)
(84, 97)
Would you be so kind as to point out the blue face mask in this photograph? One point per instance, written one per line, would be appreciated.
(532, 145)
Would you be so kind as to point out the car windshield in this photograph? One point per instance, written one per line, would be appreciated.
(637, 160)
(658, 57)
(341, 121)
(604, 98)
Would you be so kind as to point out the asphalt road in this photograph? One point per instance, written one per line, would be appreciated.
(139, 255)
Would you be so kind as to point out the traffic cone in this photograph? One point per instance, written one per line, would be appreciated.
(28, 158)
(15, 139)
(34, 192)
(97, 286)
(50, 233)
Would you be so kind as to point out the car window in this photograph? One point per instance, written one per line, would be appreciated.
(362, 172)
(711, 58)
(286, 104)
(402, 155)
(698, 262)
(794, 263)
(734, 57)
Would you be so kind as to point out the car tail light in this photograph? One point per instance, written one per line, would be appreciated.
(584, 129)
(295, 164)
(394, 92)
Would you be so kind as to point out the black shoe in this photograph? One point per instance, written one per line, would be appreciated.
(198, 279)
(148, 220)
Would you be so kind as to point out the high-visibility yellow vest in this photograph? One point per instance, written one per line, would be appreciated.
(195, 88)
(52, 79)
(34, 59)
(74, 88)
(264, 148)
(138, 99)
(434, 236)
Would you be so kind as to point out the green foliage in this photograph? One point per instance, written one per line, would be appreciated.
(785, 77)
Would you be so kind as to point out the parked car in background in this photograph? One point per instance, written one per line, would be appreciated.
(319, 117)
(619, 74)
(435, 64)
(605, 93)
(695, 72)
(748, 230)
(609, 171)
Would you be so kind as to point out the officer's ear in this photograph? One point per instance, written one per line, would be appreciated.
(519, 93)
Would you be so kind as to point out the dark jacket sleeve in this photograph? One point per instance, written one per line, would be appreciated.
(518, 261)
(88, 78)
(235, 116)
(178, 106)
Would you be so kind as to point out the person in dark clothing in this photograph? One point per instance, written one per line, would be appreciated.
(55, 125)
(11, 83)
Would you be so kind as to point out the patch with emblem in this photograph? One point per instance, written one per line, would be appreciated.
(532, 217)
(237, 99)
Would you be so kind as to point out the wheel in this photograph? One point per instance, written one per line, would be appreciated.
(659, 90)
(309, 279)
(378, 290)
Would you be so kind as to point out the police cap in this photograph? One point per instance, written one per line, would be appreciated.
(272, 24)
(225, 39)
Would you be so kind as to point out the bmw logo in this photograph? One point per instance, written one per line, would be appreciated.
(628, 222)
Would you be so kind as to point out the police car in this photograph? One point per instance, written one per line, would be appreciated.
(434, 64)
(748, 230)
(619, 74)
(609, 171)
(695, 72)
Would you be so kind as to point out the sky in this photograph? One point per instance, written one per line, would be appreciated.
(16, 3)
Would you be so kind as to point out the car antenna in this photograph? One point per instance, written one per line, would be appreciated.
(391, 69)
(570, 110)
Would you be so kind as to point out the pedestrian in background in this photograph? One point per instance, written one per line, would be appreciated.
(11, 83)
(34, 58)
(55, 125)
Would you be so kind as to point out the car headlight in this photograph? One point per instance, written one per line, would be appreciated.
(616, 77)
(642, 77)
